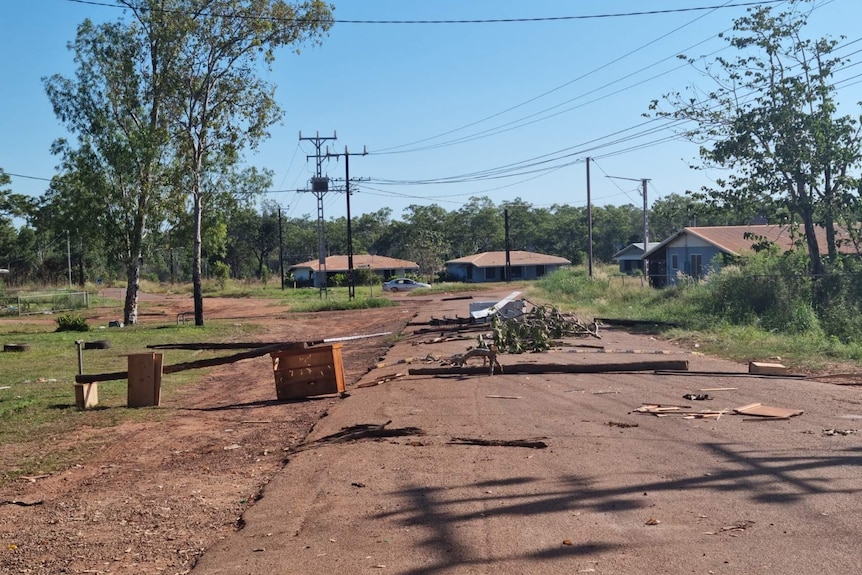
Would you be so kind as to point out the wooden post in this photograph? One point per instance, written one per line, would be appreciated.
(145, 379)
(86, 395)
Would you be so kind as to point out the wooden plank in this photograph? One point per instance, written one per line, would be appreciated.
(177, 367)
(762, 368)
(538, 368)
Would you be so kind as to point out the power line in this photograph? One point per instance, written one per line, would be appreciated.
(451, 21)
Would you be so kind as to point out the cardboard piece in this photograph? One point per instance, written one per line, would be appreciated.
(767, 411)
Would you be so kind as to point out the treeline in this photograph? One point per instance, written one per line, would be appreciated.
(249, 238)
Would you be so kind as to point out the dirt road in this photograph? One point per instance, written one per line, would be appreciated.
(614, 492)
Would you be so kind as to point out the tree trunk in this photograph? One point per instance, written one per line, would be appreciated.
(806, 212)
(133, 284)
(196, 258)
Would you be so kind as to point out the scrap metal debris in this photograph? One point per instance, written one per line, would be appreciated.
(696, 396)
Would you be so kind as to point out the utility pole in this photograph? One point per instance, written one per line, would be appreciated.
(589, 222)
(644, 182)
(508, 246)
(351, 281)
(280, 248)
(319, 187)
(69, 258)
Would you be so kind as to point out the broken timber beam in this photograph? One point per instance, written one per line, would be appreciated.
(537, 368)
(177, 367)
(743, 374)
(634, 322)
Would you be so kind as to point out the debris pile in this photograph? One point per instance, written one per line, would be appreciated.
(537, 329)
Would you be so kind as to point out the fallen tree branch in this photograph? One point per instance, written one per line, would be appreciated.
(529, 443)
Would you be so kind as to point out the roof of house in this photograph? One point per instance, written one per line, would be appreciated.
(635, 249)
(731, 239)
(339, 263)
(516, 258)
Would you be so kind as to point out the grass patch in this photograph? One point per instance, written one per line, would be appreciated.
(692, 306)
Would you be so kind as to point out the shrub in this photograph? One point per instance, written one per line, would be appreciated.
(72, 322)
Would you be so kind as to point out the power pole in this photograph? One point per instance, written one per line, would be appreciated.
(644, 182)
(589, 222)
(351, 280)
(280, 248)
(319, 187)
(508, 246)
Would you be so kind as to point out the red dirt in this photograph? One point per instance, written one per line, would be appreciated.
(155, 494)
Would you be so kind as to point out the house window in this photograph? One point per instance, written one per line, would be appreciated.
(540, 271)
(490, 273)
(674, 262)
(517, 271)
(696, 266)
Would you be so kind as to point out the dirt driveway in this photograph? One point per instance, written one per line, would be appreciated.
(226, 481)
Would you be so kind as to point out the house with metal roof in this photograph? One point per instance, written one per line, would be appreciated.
(630, 257)
(491, 266)
(385, 267)
(696, 251)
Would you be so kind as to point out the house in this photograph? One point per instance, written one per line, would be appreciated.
(698, 250)
(383, 266)
(491, 266)
(630, 257)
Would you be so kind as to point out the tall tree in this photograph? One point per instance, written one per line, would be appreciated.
(772, 120)
(223, 105)
(115, 106)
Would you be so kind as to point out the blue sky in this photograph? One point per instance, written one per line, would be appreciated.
(438, 101)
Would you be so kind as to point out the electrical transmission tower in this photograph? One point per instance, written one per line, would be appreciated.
(319, 187)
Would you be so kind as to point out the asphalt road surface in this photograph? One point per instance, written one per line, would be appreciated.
(614, 491)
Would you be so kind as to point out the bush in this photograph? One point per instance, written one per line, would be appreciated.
(72, 322)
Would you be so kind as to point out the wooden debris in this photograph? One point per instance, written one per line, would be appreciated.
(21, 503)
(539, 368)
(384, 379)
(741, 374)
(503, 396)
(621, 424)
(718, 388)
(397, 362)
(660, 410)
(761, 368)
(760, 410)
(529, 443)
(368, 431)
(634, 322)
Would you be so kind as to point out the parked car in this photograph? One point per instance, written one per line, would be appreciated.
(403, 284)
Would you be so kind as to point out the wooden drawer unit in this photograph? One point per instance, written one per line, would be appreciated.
(306, 372)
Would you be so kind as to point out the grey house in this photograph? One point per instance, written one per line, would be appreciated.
(630, 257)
(696, 251)
(491, 266)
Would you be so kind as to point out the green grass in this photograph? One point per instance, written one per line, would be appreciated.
(609, 295)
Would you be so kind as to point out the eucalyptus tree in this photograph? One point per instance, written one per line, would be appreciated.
(772, 120)
(115, 106)
(222, 104)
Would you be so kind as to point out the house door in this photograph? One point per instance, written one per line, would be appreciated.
(696, 266)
